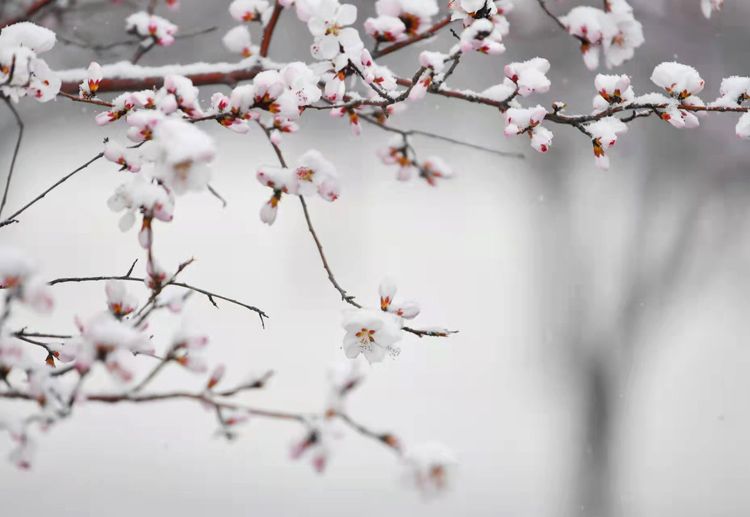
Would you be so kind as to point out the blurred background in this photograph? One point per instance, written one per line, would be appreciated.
(601, 364)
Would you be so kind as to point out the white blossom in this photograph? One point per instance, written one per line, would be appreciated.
(482, 36)
(90, 86)
(184, 151)
(129, 159)
(18, 274)
(604, 133)
(119, 301)
(22, 72)
(733, 92)
(529, 76)
(372, 334)
(613, 90)
(317, 443)
(238, 40)
(109, 340)
(150, 26)
(678, 80)
(616, 32)
(528, 120)
(709, 6)
(250, 10)
(431, 467)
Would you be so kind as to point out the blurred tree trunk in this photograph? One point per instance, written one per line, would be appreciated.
(594, 497)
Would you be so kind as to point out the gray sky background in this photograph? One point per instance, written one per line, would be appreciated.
(517, 255)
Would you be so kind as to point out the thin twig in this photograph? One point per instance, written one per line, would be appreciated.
(12, 167)
(12, 218)
(443, 22)
(212, 297)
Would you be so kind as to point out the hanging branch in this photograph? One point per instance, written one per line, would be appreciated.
(17, 147)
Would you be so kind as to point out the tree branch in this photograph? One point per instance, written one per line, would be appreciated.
(212, 297)
(12, 218)
(265, 43)
(12, 167)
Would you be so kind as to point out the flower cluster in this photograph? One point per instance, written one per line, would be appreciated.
(313, 174)
(282, 94)
(681, 83)
(519, 121)
(399, 152)
(22, 72)
(485, 24)
(374, 333)
(734, 92)
(153, 29)
(614, 31)
(431, 467)
(19, 279)
(398, 20)
(238, 39)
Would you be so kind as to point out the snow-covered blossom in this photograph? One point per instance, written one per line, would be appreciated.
(313, 173)
(183, 153)
(604, 133)
(616, 32)
(250, 10)
(281, 93)
(18, 274)
(733, 92)
(151, 27)
(21, 71)
(343, 377)
(528, 120)
(128, 159)
(386, 28)
(502, 93)
(403, 309)
(678, 80)
(238, 40)
(398, 19)
(121, 105)
(185, 94)
(140, 195)
(316, 174)
(186, 347)
(110, 340)
(370, 333)
(709, 6)
(743, 126)
(90, 85)
(529, 76)
(317, 443)
(431, 467)
(433, 168)
(482, 36)
(397, 153)
(119, 301)
(671, 109)
(612, 90)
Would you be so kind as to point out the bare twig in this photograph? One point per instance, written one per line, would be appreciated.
(430, 32)
(12, 218)
(30, 11)
(212, 297)
(12, 167)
